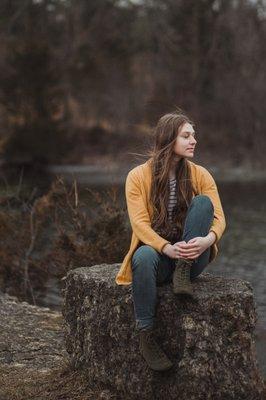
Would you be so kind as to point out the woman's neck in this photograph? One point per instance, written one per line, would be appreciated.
(172, 174)
(172, 170)
(174, 163)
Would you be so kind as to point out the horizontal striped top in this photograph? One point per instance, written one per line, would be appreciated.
(172, 201)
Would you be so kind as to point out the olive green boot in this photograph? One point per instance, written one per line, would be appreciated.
(151, 352)
(181, 277)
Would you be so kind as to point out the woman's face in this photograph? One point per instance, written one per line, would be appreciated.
(185, 141)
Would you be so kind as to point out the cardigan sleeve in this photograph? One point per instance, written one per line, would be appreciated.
(138, 213)
(208, 187)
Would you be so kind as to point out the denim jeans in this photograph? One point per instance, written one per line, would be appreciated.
(151, 269)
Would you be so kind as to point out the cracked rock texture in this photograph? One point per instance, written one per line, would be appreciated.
(209, 339)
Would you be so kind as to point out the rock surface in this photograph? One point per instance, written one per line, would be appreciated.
(31, 337)
(209, 339)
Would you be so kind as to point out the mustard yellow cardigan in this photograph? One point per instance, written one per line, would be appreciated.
(137, 190)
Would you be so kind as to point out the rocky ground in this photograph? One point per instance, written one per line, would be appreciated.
(33, 362)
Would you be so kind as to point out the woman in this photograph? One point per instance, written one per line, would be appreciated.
(176, 218)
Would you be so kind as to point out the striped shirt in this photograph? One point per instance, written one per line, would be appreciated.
(172, 202)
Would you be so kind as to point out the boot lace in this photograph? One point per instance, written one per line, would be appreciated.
(185, 272)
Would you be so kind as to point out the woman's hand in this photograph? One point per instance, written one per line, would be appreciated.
(193, 248)
(172, 250)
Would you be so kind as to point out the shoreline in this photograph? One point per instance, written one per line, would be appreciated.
(116, 173)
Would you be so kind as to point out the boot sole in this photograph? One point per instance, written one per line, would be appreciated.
(162, 369)
(159, 368)
(184, 292)
(170, 365)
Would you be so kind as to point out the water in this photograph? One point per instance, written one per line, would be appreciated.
(242, 249)
(243, 246)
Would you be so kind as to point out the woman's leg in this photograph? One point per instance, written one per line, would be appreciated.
(149, 268)
(198, 222)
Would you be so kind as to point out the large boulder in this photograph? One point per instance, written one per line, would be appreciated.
(210, 339)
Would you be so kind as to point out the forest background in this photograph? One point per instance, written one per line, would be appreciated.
(82, 79)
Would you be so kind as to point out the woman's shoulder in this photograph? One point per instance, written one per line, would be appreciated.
(141, 169)
(201, 174)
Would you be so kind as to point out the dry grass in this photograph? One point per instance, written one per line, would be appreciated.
(61, 383)
(57, 232)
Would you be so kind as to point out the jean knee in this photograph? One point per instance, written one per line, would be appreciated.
(143, 257)
(204, 202)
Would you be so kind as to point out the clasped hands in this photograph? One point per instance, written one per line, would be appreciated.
(188, 250)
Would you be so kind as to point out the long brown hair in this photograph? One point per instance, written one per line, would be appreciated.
(162, 155)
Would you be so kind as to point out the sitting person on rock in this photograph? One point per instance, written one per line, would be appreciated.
(177, 219)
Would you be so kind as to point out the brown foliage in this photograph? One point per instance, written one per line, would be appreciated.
(58, 232)
(86, 239)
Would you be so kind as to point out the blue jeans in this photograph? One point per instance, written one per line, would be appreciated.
(151, 269)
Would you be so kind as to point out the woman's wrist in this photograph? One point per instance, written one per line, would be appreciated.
(210, 238)
(165, 247)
